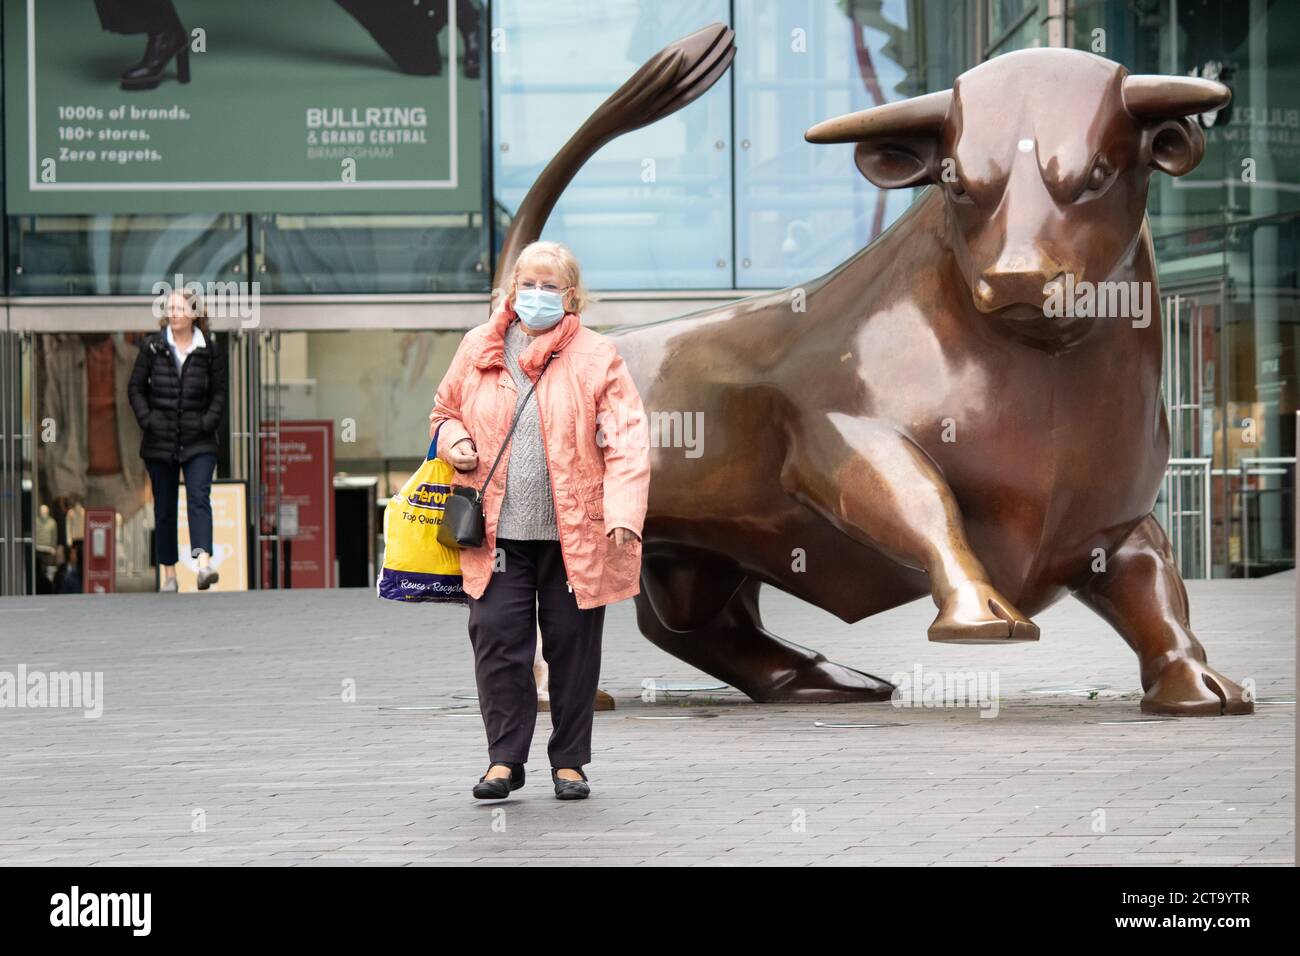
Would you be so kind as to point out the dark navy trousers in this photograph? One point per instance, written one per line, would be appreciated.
(531, 590)
(165, 477)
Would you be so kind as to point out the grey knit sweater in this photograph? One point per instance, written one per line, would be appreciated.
(527, 510)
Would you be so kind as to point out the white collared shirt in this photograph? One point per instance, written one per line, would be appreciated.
(196, 342)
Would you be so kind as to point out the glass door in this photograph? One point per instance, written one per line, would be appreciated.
(86, 491)
(73, 486)
(1185, 506)
(256, 450)
(20, 556)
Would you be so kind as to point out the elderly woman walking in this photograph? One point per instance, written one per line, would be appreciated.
(563, 511)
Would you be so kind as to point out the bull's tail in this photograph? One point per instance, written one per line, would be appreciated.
(672, 78)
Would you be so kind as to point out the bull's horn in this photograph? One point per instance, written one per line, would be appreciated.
(1153, 97)
(920, 114)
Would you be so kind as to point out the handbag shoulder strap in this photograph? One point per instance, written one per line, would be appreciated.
(510, 434)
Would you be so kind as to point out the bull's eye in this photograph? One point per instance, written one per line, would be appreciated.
(1097, 179)
(958, 191)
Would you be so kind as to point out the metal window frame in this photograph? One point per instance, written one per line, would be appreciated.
(1264, 465)
(1176, 469)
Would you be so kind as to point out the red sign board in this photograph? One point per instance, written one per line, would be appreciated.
(99, 552)
(299, 474)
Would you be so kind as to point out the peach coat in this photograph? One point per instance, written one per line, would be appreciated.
(595, 438)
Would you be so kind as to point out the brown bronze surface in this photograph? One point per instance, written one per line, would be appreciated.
(920, 420)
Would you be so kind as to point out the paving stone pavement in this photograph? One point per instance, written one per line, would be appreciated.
(229, 736)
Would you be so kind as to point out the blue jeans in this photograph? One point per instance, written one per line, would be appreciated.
(165, 478)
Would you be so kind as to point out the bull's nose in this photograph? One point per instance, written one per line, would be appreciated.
(1054, 285)
(999, 288)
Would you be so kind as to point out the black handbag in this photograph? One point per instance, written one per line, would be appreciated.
(464, 525)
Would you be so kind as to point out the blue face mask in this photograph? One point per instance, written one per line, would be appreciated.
(539, 309)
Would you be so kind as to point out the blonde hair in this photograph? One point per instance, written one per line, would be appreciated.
(195, 307)
(562, 261)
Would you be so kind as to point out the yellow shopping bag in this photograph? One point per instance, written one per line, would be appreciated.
(416, 567)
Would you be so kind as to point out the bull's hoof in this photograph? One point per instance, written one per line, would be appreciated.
(1189, 688)
(824, 682)
(975, 613)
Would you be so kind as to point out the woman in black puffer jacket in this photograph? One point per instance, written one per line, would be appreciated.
(178, 392)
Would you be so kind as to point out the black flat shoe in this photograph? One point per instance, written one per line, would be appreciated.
(570, 789)
(498, 788)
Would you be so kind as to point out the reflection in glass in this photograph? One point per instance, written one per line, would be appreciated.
(652, 209)
(371, 253)
(88, 457)
(121, 254)
(802, 209)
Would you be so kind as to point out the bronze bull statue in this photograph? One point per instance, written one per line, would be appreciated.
(922, 419)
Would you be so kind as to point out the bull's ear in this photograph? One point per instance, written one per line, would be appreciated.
(1175, 146)
(1174, 143)
(897, 142)
(896, 164)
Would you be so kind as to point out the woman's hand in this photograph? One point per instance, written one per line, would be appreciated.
(463, 455)
(622, 536)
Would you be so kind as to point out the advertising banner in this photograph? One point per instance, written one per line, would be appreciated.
(229, 539)
(296, 106)
(304, 462)
(99, 552)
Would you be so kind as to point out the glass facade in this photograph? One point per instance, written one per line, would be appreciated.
(358, 253)
(1226, 243)
(365, 307)
(120, 254)
(800, 210)
(724, 194)
(650, 210)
